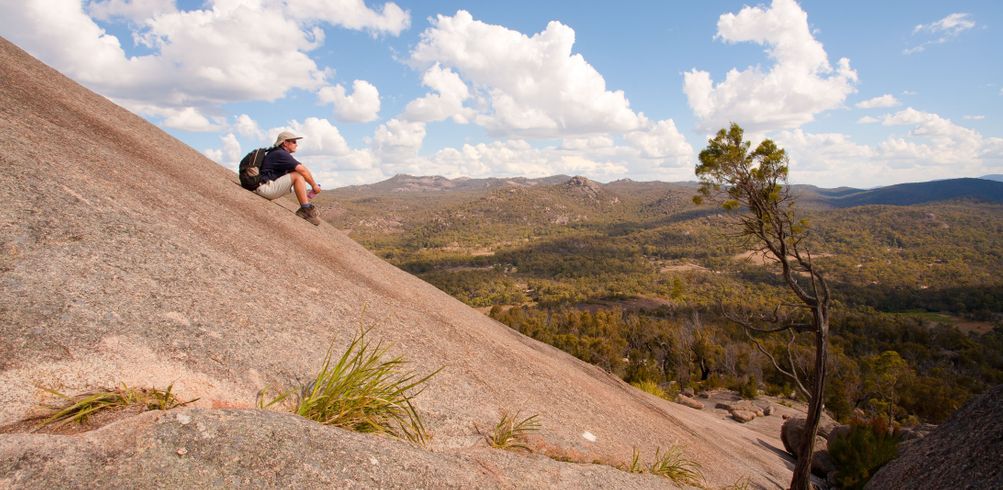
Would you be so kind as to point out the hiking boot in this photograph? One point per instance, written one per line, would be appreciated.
(310, 214)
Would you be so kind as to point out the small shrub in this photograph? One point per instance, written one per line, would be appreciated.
(749, 390)
(862, 451)
(361, 391)
(511, 433)
(651, 387)
(676, 467)
(79, 408)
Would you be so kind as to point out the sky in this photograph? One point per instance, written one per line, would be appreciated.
(859, 93)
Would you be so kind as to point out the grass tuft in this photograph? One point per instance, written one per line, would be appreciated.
(360, 391)
(676, 467)
(79, 408)
(635, 462)
(511, 433)
(743, 483)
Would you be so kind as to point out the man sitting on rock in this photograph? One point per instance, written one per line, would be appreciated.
(280, 172)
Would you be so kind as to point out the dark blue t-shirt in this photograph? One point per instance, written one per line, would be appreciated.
(277, 163)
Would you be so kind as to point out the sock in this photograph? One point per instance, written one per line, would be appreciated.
(307, 205)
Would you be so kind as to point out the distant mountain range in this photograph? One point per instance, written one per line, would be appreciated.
(986, 189)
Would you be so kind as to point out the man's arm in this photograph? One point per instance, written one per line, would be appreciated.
(305, 172)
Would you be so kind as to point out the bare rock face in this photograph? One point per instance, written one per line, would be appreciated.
(128, 257)
(199, 448)
(962, 453)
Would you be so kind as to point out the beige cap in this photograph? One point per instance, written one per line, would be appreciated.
(286, 135)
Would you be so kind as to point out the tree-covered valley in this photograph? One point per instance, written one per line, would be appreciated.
(635, 278)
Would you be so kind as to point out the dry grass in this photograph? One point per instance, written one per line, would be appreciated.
(675, 466)
(511, 433)
(360, 391)
(81, 407)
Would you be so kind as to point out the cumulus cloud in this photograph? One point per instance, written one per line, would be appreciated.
(396, 141)
(662, 142)
(882, 101)
(868, 120)
(198, 58)
(932, 140)
(973, 117)
(134, 10)
(183, 118)
(941, 31)
(352, 14)
(363, 105)
(535, 86)
(800, 84)
(229, 155)
(447, 100)
(247, 126)
(931, 147)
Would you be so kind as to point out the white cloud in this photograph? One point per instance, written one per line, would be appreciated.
(823, 151)
(800, 83)
(396, 141)
(229, 155)
(447, 102)
(199, 58)
(183, 118)
(362, 106)
(953, 25)
(973, 117)
(534, 85)
(134, 10)
(868, 120)
(662, 142)
(941, 31)
(516, 157)
(932, 140)
(352, 14)
(247, 126)
(932, 147)
(886, 100)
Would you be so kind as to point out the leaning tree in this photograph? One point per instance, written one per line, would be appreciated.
(755, 185)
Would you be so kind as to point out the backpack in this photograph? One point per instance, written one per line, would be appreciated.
(250, 168)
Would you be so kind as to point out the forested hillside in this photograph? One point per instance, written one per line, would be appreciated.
(633, 277)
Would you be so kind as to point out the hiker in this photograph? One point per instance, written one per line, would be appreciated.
(280, 172)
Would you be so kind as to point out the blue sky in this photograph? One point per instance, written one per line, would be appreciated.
(859, 93)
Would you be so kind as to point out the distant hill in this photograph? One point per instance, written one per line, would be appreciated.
(922, 193)
(996, 177)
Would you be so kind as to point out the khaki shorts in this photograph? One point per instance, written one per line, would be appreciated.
(274, 189)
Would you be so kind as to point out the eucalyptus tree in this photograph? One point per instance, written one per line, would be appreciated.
(754, 185)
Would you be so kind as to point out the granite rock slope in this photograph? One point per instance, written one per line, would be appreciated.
(128, 257)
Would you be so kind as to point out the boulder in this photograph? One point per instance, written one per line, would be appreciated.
(743, 416)
(792, 432)
(689, 402)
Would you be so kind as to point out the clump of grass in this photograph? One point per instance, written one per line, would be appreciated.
(360, 391)
(635, 463)
(81, 407)
(651, 387)
(511, 433)
(675, 466)
(743, 483)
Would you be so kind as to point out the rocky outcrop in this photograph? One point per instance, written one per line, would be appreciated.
(128, 257)
(962, 453)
